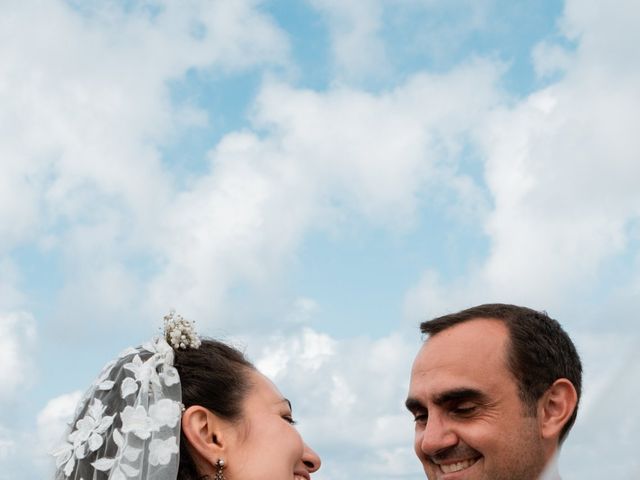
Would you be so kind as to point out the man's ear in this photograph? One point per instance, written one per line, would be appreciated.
(206, 436)
(556, 407)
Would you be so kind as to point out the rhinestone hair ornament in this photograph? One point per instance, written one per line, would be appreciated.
(127, 425)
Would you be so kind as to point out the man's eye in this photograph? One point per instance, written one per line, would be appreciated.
(420, 417)
(464, 410)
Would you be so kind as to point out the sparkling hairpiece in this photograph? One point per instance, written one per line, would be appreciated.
(179, 332)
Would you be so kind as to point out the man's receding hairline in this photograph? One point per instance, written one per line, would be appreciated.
(507, 345)
(461, 323)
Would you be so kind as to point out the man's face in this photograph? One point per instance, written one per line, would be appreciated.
(470, 423)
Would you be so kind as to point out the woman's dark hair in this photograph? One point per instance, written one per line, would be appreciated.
(214, 376)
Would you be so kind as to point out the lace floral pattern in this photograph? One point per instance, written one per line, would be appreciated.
(133, 407)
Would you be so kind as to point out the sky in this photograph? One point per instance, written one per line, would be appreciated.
(309, 180)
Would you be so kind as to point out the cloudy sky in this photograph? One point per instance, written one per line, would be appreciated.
(309, 179)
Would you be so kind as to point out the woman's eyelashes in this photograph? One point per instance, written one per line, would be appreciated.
(288, 417)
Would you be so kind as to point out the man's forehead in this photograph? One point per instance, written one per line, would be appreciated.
(469, 355)
(479, 336)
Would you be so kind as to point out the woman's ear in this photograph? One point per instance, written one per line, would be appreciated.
(556, 407)
(206, 434)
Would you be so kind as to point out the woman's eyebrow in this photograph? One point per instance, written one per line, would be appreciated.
(286, 400)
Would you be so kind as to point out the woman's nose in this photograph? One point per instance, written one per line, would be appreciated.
(310, 459)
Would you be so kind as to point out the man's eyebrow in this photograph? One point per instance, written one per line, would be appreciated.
(460, 395)
(449, 396)
(413, 404)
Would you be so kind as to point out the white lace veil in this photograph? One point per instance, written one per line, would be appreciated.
(127, 425)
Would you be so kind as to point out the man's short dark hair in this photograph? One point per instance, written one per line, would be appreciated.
(539, 352)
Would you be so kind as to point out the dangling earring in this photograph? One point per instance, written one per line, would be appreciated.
(220, 466)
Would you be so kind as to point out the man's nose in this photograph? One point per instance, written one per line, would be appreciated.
(436, 436)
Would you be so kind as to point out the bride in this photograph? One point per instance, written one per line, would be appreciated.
(183, 408)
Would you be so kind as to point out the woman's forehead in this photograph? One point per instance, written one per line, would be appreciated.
(264, 389)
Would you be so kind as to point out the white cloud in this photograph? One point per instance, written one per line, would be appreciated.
(101, 285)
(53, 420)
(608, 421)
(16, 350)
(304, 308)
(315, 164)
(430, 297)
(86, 96)
(549, 58)
(86, 106)
(25, 451)
(606, 35)
(18, 374)
(359, 33)
(375, 152)
(7, 444)
(312, 348)
(356, 46)
(10, 294)
(561, 167)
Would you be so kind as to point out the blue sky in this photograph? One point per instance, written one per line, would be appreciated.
(309, 180)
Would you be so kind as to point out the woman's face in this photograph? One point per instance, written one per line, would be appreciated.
(268, 446)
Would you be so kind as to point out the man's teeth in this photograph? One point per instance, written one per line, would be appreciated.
(456, 467)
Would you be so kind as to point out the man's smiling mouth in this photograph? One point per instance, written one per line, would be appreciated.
(457, 466)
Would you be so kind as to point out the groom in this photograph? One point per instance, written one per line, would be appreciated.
(494, 392)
